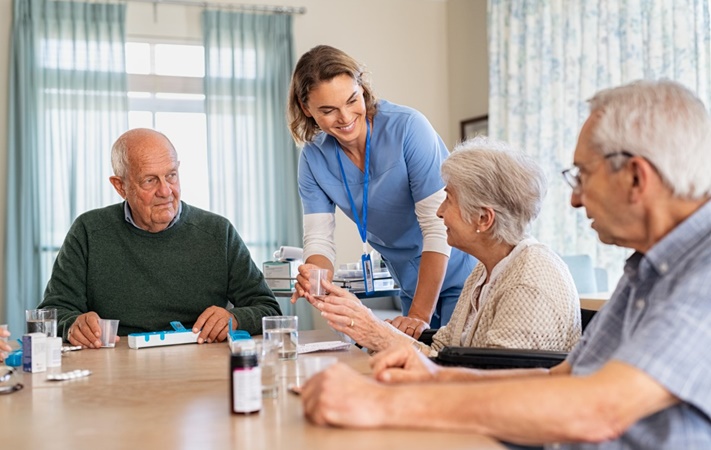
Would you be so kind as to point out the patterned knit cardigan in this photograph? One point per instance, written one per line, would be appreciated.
(533, 304)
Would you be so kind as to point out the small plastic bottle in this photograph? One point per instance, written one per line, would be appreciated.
(245, 381)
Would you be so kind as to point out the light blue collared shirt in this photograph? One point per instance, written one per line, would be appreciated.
(129, 216)
(659, 321)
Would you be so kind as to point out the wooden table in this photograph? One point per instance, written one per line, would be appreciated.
(177, 397)
(594, 301)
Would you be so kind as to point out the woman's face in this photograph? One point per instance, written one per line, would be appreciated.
(460, 234)
(338, 107)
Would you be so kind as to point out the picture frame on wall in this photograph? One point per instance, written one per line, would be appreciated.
(474, 126)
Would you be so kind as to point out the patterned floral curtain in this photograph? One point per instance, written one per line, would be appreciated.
(547, 57)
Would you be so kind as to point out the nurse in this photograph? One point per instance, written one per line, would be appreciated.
(380, 164)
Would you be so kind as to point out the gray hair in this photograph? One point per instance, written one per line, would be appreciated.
(119, 157)
(484, 172)
(663, 122)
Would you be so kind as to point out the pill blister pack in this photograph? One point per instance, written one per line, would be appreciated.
(74, 374)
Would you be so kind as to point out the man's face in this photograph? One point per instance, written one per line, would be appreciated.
(602, 191)
(152, 185)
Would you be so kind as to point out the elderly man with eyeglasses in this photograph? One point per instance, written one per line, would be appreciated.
(639, 377)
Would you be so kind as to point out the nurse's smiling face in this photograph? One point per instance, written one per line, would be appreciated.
(338, 107)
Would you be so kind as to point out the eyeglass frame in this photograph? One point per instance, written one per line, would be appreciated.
(573, 179)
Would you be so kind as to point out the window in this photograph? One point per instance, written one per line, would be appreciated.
(165, 83)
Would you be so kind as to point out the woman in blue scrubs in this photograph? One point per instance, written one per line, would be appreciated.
(380, 164)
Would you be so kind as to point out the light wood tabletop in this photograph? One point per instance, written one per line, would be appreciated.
(177, 397)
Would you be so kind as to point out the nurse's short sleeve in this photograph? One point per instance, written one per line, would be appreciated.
(313, 199)
(672, 341)
(424, 153)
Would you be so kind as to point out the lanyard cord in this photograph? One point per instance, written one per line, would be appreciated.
(362, 225)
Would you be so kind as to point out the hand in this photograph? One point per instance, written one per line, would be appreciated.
(214, 322)
(4, 346)
(341, 396)
(302, 285)
(411, 326)
(403, 364)
(85, 331)
(345, 313)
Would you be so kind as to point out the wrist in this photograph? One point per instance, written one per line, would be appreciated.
(419, 316)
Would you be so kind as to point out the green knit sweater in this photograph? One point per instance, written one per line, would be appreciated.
(146, 280)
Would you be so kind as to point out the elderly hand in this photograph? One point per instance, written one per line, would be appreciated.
(345, 313)
(302, 285)
(411, 326)
(403, 364)
(85, 331)
(214, 322)
(341, 396)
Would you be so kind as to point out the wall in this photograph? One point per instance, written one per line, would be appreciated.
(420, 53)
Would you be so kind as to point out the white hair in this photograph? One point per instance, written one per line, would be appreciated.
(663, 122)
(484, 172)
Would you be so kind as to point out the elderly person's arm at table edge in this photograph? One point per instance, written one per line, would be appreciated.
(522, 406)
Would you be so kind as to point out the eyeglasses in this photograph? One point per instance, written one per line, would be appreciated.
(572, 175)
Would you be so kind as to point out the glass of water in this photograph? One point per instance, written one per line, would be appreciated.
(42, 321)
(282, 332)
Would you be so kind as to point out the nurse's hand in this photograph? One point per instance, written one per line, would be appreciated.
(302, 286)
(411, 326)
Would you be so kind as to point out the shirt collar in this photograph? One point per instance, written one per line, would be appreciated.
(129, 217)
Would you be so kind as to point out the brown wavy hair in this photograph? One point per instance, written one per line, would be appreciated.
(322, 63)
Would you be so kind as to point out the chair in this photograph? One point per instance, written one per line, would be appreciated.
(500, 358)
(581, 268)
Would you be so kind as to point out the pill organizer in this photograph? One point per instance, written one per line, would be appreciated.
(179, 335)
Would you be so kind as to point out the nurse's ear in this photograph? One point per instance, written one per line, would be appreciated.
(305, 109)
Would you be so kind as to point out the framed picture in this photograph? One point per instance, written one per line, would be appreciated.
(474, 126)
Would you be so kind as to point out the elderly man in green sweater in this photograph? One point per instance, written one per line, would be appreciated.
(154, 259)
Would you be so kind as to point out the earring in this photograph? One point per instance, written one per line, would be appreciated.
(478, 230)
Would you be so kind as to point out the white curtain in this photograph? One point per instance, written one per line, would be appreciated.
(252, 158)
(68, 104)
(547, 57)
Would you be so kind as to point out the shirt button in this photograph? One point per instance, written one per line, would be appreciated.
(664, 267)
(639, 303)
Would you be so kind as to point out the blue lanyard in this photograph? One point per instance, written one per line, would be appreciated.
(361, 224)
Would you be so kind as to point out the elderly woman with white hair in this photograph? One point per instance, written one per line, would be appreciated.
(519, 295)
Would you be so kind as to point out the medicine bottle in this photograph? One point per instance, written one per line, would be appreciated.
(245, 382)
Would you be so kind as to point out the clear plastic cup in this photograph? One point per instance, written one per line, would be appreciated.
(315, 277)
(109, 328)
(268, 360)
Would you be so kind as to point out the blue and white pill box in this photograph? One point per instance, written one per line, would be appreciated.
(159, 338)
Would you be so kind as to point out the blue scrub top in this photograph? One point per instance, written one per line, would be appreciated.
(405, 161)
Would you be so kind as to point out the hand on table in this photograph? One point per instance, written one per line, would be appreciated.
(214, 322)
(341, 396)
(85, 331)
(403, 364)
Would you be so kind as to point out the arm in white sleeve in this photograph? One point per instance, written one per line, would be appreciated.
(319, 239)
(434, 233)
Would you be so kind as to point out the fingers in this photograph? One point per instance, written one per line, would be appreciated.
(411, 326)
(85, 331)
(213, 324)
(402, 363)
